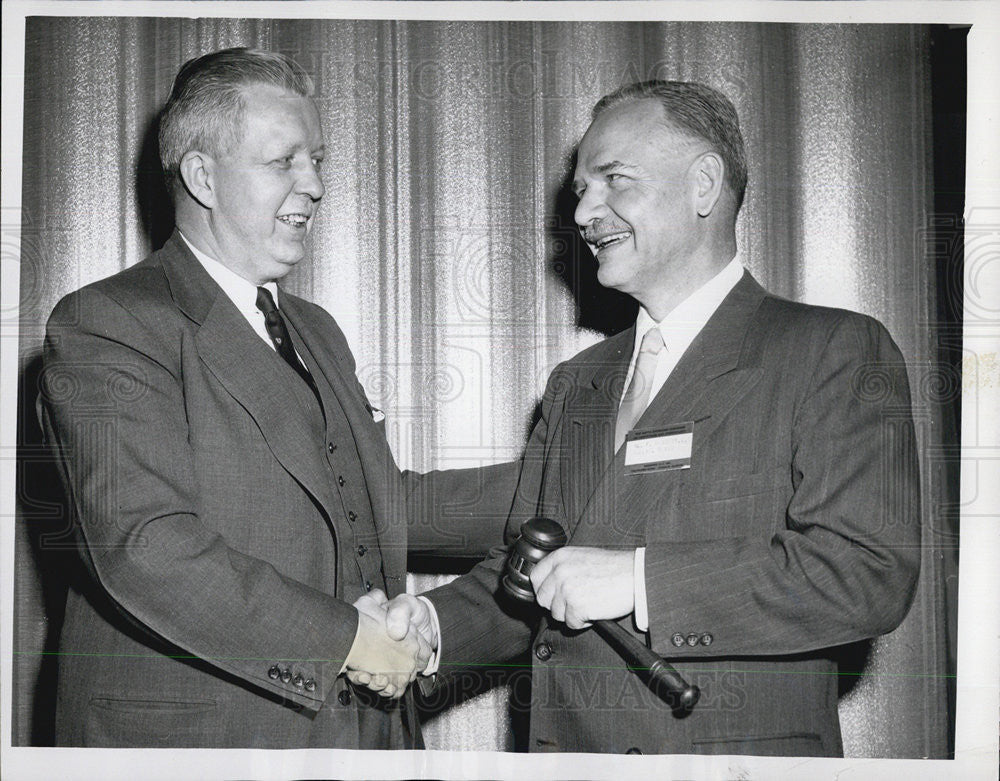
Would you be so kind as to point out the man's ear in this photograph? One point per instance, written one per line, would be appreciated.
(197, 171)
(709, 173)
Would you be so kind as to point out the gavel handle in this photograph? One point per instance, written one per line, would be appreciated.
(659, 675)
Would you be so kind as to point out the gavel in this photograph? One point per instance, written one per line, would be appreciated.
(539, 537)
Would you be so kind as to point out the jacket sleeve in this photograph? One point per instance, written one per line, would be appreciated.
(842, 563)
(459, 513)
(479, 623)
(113, 409)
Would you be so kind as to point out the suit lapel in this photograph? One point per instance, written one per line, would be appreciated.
(589, 433)
(247, 369)
(707, 382)
(323, 354)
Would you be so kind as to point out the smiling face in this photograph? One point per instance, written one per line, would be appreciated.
(267, 189)
(638, 199)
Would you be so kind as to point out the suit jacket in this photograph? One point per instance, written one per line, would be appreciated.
(226, 520)
(795, 530)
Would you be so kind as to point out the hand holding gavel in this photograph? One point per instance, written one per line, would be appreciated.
(539, 537)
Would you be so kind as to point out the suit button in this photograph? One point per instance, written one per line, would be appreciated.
(362, 550)
(677, 639)
(344, 698)
(633, 750)
(340, 480)
(298, 681)
(543, 651)
(368, 585)
(274, 672)
(310, 685)
(286, 676)
(706, 639)
(331, 447)
(352, 516)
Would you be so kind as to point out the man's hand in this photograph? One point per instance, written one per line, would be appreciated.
(405, 612)
(385, 661)
(580, 585)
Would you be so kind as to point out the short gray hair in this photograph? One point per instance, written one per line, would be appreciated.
(698, 110)
(205, 107)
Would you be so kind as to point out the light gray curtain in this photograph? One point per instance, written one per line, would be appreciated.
(445, 247)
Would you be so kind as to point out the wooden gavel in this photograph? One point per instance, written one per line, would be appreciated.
(539, 537)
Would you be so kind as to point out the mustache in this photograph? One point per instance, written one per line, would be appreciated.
(595, 231)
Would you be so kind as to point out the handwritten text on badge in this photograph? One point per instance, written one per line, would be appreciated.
(654, 450)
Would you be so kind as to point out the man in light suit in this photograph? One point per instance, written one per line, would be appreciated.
(232, 486)
(736, 473)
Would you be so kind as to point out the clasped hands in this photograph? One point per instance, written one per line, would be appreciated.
(394, 643)
(396, 639)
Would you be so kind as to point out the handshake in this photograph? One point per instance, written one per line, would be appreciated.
(394, 643)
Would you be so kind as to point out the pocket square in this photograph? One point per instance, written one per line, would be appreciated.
(377, 415)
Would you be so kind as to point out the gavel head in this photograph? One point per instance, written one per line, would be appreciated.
(539, 537)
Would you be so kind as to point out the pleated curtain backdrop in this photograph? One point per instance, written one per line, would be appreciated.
(446, 250)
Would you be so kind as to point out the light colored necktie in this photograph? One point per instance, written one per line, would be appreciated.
(636, 397)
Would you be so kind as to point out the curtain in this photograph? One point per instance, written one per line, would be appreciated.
(446, 250)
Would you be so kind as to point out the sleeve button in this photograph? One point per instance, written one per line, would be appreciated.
(298, 681)
(286, 676)
(706, 638)
(693, 639)
(274, 672)
(677, 639)
(310, 685)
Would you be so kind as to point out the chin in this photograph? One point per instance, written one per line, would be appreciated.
(611, 274)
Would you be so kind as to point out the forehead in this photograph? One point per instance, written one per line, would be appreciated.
(275, 116)
(634, 133)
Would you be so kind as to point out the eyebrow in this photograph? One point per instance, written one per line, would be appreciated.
(604, 168)
(613, 165)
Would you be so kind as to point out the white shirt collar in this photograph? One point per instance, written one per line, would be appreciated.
(687, 319)
(242, 292)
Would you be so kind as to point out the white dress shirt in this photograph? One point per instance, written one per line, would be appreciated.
(679, 329)
(240, 291)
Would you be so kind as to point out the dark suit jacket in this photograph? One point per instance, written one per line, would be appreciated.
(214, 518)
(794, 530)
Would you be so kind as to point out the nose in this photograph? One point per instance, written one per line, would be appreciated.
(310, 183)
(590, 207)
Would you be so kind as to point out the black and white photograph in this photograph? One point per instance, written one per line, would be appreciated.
(500, 390)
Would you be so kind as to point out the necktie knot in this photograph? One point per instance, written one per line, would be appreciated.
(265, 303)
(652, 342)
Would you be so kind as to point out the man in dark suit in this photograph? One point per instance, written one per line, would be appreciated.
(233, 487)
(736, 473)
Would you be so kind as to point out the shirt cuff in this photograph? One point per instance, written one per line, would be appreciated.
(435, 660)
(641, 614)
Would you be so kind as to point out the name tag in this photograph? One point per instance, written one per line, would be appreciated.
(656, 450)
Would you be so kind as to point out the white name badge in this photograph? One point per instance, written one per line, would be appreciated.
(655, 450)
